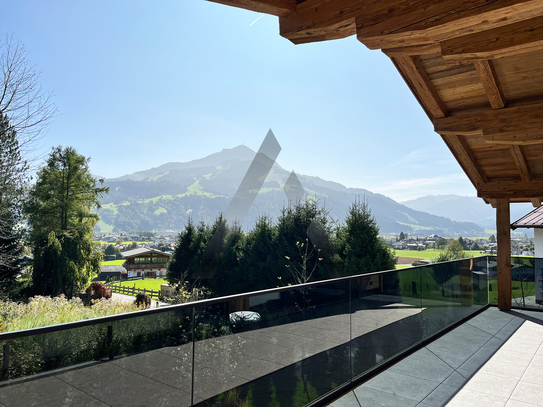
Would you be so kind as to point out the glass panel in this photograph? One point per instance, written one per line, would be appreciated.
(447, 290)
(133, 359)
(39, 353)
(385, 317)
(277, 349)
(526, 282)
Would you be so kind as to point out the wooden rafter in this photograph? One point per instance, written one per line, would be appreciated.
(274, 7)
(421, 22)
(465, 157)
(421, 84)
(513, 39)
(520, 162)
(510, 189)
(478, 121)
(490, 81)
(516, 135)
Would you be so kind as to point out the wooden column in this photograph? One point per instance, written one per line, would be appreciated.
(503, 225)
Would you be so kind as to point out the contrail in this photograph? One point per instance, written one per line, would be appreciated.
(256, 20)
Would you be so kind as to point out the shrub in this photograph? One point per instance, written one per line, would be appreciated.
(98, 290)
(143, 300)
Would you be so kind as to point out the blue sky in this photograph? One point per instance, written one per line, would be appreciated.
(138, 84)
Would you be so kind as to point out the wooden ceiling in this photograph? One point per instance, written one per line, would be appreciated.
(475, 66)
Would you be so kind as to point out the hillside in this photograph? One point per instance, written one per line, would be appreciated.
(468, 209)
(164, 197)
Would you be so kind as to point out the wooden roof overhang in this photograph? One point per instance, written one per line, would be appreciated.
(475, 67)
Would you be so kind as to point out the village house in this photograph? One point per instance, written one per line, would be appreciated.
(146, 262)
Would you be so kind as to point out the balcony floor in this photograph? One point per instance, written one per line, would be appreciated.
(492, 360)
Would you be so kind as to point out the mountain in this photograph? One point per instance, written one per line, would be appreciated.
(469, 209)
(163, 198)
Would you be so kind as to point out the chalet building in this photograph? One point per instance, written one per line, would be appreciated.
(146, 262)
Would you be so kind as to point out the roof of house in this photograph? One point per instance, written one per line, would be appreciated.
(113, 269)
(144, 250)
(533, 219)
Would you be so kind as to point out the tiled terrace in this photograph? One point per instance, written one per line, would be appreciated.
(492, 360)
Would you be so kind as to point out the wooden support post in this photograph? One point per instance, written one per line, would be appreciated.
(503, 225)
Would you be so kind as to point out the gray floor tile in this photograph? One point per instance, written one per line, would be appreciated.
(114, 385)
(441, 395)
(456, 379)
(348, 400)
(454, 360)
(401, 385)
(48, 391)
(425, 365)
(374, 398)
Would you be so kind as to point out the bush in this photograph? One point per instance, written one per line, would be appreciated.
(142, 300)
(98, 290)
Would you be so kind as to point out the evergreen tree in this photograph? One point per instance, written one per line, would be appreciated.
(61, 223)
(363, 251)
(185, 254)
(13, 177)
(463, 243)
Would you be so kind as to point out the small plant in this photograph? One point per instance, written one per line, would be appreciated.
(301, 270)
(142, 300)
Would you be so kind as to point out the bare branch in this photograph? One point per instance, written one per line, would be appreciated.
(22, 99)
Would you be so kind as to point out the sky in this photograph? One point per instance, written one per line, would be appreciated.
(138, 84)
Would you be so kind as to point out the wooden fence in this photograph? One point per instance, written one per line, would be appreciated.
(123, 289)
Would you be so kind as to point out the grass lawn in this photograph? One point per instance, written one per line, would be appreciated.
(430, 254)
(516, 292)
(113, 262)
(148, 283)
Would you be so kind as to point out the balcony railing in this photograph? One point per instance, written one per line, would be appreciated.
(287, 346)
(145, 265)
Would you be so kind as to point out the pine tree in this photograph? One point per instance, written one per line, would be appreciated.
(61, 223)
(13, 177)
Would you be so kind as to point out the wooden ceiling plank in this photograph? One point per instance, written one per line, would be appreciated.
(273, 7)
(510, 40)
(510, 189)
(490, 81)
(437, 20)
(466, 158)
(414, 72)
(477, 121)
(520, 162)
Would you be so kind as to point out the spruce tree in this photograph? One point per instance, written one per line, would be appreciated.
(364, 251)
(13, 177)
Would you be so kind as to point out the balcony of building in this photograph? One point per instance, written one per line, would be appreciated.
(292, 346)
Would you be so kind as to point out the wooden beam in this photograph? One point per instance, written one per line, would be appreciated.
(274, 7)
(408, 23)
(491, 119)
(509, 40)
(520, 162)
(503, 226)
(514, 135)
(320, 20)
(411, 51)
(490, 81)
(524, 190)
(414, 72)
(536, 202)
(466, 159)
